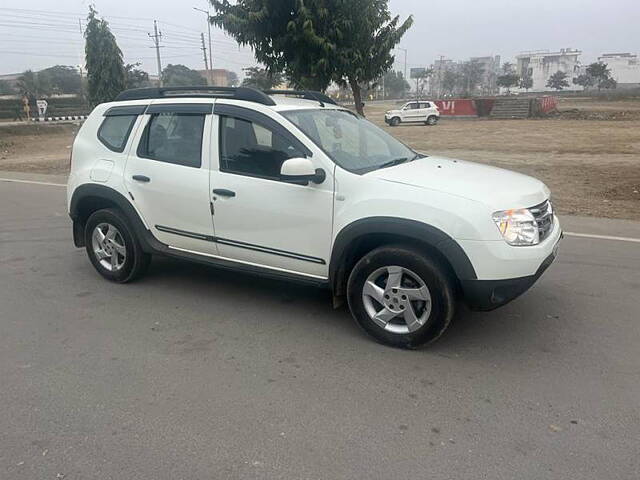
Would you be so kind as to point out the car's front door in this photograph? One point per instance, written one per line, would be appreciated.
(260, 219)
(411, 112)
(167, 175)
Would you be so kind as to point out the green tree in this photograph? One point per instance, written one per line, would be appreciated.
(471, 73)
(421, 82)
(261, 78)
(395, 85)
(135, 76)
(34, 84)
(450, 81)
(526, 82)
(6, 88)
(601, 74)
(232, 79)
(558, 81)
(508, 81)
(585, 81)
(62, 79)
(105, 69)
(181, 76)
(317, 41)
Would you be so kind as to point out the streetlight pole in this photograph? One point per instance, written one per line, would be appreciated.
(210, 43)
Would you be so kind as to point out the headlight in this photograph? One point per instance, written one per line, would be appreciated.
(518, 227)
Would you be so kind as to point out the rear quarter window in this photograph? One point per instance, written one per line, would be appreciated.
(115, 130)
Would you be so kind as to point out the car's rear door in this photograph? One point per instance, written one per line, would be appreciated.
(167, 175)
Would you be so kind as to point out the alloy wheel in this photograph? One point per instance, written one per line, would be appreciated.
(109, 247)
(397, 299)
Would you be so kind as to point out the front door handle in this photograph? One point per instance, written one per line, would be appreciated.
(224, 192)
(141, 178)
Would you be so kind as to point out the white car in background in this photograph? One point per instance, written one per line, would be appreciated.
(413, 112)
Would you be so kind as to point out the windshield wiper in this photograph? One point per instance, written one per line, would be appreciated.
(393, 163)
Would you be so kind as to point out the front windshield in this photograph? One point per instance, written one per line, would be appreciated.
(352, 142)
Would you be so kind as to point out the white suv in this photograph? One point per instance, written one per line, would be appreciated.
(291, 185)
(413, 112)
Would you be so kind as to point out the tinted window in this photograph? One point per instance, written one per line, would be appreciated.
(114, 131)
(248, 148)
(425, 105)
(174, 138)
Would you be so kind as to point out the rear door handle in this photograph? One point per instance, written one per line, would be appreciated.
(141, 178)
(224, 192)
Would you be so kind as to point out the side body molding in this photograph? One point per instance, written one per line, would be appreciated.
(417, 232)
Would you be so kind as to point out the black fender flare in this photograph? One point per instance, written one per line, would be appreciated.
(92, 191)
(403, 228)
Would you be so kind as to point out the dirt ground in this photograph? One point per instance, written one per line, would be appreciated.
(588, 155)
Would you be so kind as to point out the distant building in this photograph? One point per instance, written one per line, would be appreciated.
(540, 65)
(490, 71)
(625, 68)
(218, 77)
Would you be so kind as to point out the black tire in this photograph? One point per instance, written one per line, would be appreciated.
(395, 121)
(432, 274)
(432, 120)
(136, 261)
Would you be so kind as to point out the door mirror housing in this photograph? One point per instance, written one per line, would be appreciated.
(301, 171)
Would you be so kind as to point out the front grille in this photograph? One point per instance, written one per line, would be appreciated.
(543, 214)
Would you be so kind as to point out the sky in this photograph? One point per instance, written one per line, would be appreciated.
(35, 34)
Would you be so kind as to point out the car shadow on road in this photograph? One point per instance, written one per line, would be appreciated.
(282, 299)
(517, 327)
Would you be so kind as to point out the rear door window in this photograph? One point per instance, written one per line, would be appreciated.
(173, 138)
(115, 130)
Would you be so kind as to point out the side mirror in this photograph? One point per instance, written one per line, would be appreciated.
(301, 171)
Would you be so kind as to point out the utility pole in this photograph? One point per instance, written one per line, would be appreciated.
(440, 76)
(157, 36)
(405, 61)
(204, 51)
(210, 42)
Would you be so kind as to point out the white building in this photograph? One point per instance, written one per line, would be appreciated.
(541, 64)
(625, 68)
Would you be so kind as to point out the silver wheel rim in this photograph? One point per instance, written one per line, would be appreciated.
(397, 300)
(109, 247)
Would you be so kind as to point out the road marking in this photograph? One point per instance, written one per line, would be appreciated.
(15, 180)
(602, 237)
(569, 234)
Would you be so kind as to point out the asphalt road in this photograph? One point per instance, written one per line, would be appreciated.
(196, 373)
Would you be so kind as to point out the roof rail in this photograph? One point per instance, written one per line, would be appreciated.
(305, 94)
(240, 93)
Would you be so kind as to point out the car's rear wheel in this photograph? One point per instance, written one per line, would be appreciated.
(432, 120)
(395, 121)
(401, 297)
(112, 247)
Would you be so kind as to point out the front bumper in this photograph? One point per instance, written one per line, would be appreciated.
(486, 295)
(387, 120)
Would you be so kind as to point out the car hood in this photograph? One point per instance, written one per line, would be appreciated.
(495, 187)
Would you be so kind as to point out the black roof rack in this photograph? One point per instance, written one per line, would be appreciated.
(305, 94)
(237, 93)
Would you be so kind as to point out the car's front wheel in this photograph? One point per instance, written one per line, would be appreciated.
(112, 247)
(432, 120)
(401, 297)
(395, 121)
